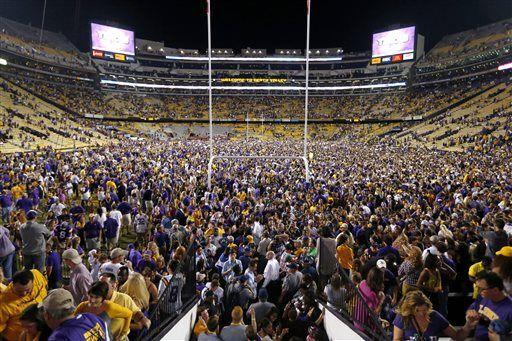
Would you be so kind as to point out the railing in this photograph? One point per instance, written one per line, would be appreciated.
(164, 312)
(356, 311)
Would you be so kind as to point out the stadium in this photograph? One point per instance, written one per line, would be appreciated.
(357, 191)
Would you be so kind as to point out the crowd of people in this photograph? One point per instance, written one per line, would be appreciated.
(95, 240)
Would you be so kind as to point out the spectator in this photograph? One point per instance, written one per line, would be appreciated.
(236, 330)
(494, 305)
(98, 305)
(117, 256)
(262, 307)
(33, 324)
(80, 279)
(7, 252)
(417, 319)
(170, 287)
(212, 329)
(502, 265)
(336, 293)
(202, 317)
(139, 320)
(27, 287)
(344, 254)
(33, 236)
(58, 313)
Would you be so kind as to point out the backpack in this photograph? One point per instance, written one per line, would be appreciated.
(232, 296)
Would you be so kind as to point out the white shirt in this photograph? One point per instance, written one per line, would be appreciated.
(110, 267)
(115, 214)
(57, 208)
(271, 272)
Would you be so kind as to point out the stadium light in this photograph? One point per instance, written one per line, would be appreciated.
(253, 59)
(505, 66)
(3, 61)
(278, 88)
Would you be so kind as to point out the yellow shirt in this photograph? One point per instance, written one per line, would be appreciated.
(12, 305)
(114, 311)
(16, 191)
(473, 270)
(116, 325)
(345, 256)
(200, 327)
(111, 185)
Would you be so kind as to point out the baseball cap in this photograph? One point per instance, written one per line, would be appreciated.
(505, 251)
(117, 252)
(500, 327)
(72, 255)
(243, 278)
(381, 263)
(263, 293)
(292, 266)
(58, 299)
(31, 214)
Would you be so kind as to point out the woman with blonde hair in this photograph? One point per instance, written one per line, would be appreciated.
(416, 319)
(136, 288)
(410, 269)
(155, 252)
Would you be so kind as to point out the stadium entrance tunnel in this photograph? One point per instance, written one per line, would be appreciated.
(181, 327)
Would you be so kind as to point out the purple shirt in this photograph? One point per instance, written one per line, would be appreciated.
(110, 227)
(435, 328)
(92, 229)
(490, 310)
(80, 327)
(53, 260)
(5, 200)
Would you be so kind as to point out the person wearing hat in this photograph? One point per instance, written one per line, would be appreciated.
(93, 233)
(34, 236)
(483, 265)
(58, 312)
(291, 283)
(27, 287)
(262, 307)
(80, 279)
(502, 265)
(117, 256)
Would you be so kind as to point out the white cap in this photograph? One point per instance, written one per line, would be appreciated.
(381, 264)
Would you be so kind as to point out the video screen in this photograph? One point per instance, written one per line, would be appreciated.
(112, 39)
(394, 42)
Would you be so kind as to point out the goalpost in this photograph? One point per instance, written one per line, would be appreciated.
(214, 157)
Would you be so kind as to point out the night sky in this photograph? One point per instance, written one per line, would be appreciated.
(259, 24)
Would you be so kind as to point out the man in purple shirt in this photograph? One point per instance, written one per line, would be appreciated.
(493, 305)
(80, 279)
(92, 230)
(24, 203)
(58, 312)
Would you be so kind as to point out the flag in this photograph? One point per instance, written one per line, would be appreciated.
(207, 6)
(308, 2)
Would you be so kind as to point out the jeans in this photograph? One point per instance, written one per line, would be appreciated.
(35, 262)
(6, 264)
(6, 211)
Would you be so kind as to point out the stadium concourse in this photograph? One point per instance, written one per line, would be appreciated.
(402, 232)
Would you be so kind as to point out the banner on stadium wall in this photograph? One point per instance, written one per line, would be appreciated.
(253, 80)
